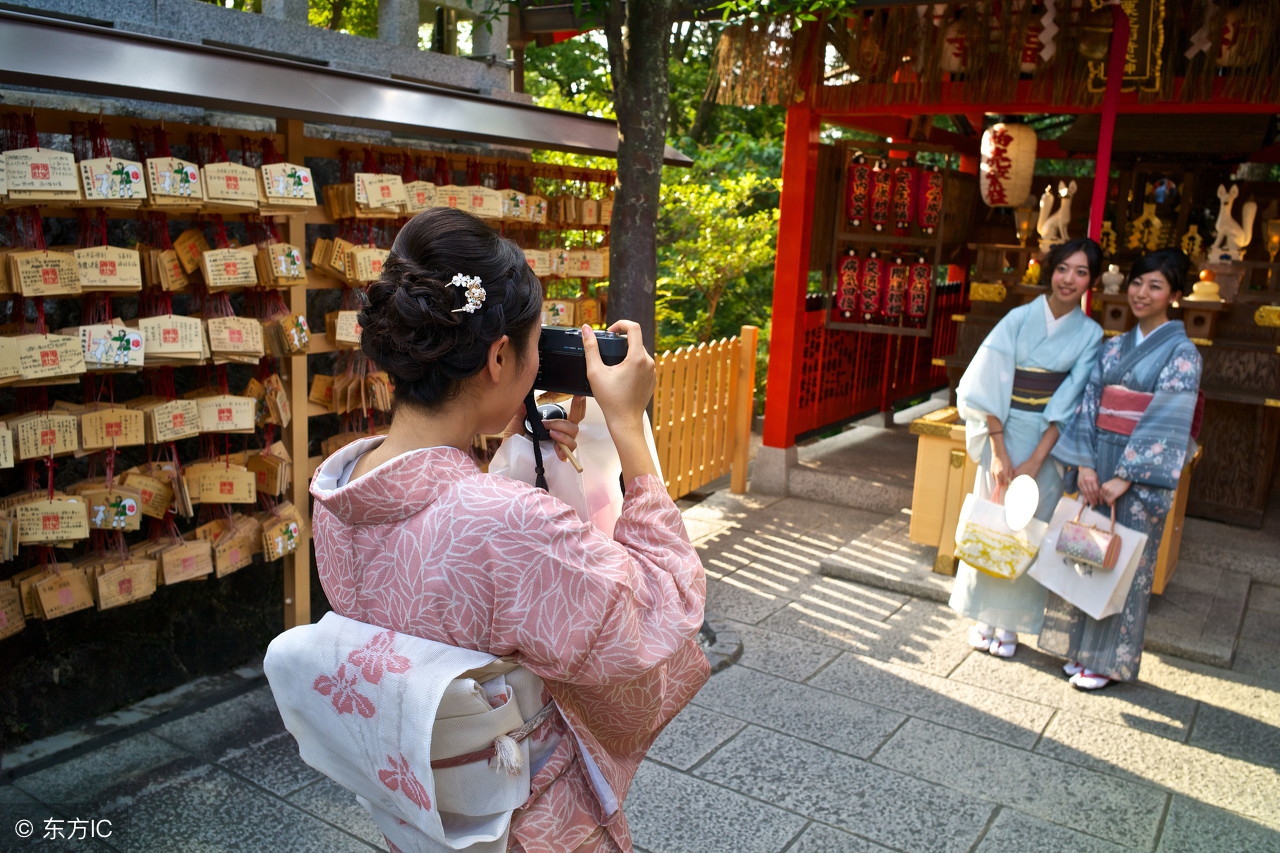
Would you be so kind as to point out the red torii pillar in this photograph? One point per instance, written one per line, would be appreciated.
(790, 283)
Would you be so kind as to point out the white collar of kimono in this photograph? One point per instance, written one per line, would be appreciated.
(1051, 322)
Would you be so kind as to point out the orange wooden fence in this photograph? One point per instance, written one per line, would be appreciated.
(702, 412)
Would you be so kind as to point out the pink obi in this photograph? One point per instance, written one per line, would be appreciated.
(1120, 409)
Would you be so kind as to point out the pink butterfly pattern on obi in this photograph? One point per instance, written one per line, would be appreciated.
(401, 778)
(341, 688)
(378, 657)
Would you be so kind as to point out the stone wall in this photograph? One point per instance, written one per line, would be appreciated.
(283, 31)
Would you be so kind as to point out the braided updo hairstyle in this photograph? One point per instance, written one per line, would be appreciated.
(410, 328)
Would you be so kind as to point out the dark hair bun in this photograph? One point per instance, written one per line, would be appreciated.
(410, 325)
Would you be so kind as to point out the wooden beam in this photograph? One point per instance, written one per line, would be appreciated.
(297, 566)
(882, 99)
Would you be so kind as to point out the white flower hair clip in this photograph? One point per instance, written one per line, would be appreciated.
(475, 292)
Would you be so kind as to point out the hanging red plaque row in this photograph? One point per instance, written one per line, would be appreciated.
(871, 285)
(905, 191)
(847, 294)
(918, 290)
(858, 191)
(930, 199)
(881, 196)
(895, 290)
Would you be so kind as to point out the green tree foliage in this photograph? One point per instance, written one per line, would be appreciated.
(718, 218)
(356, 17)
(716, 239)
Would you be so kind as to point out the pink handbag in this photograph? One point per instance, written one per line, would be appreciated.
(1087, 544)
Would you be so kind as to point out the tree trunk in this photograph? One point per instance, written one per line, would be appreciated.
(639, 39)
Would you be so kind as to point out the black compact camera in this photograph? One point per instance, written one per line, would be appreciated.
(562, 364)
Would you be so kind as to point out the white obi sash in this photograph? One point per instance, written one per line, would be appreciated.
(371, 709)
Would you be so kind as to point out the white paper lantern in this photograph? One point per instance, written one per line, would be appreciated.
(1240, 44)
(955, 49)
(1008, 159)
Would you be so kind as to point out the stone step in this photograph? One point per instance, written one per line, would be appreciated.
(1198, 617)
(845, 489)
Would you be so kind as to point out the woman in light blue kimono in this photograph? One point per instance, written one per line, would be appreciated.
(1125, 447)
(1021, 387)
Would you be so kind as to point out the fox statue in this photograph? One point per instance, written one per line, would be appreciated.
(1052, 225)
(1232, 237)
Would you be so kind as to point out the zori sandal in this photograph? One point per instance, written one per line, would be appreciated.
(1003, 643)
(1086, 680)
(1072, 667)
(980, 636)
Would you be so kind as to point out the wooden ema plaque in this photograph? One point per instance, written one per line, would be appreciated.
(378, 191)
(44, 434)
(43, 273)
(49, 521)
(113, 181)
(112, 346)
(113, 426)
(419, 196)
(238, 335)
(172, 181)
(228, 268)
(41, 174)
(49, 356)
(109, 268)
(230, 184)
(226, 413)
(172, 334)
(134, 580)
(287, 184)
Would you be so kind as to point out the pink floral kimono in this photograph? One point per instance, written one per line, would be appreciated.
(428, 545)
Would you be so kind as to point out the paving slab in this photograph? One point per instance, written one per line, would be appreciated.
(1258, 658)
(1012, 830)
(779, 654)
(962, 706)
(692, 735)
(336, 806)
(210, 809)
(847, 628)
(1189, 620)
(212, 731)
(865, 467)
(817, 838)
(1195, 827)
(118, 769)
(1241, 786)
(883, 557)
(205, 691)
(829, 720)
(672, 812)
(875, 802)
(1222, 731)
(1037, 677)
(748, 600)
(1264, 597)
(1121, 811)
(271, 763)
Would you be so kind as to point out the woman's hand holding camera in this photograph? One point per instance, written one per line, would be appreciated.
(623, 392)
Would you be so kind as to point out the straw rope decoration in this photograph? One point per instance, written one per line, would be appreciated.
(756, 62)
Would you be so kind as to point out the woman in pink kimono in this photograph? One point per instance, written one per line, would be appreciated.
(410, 534)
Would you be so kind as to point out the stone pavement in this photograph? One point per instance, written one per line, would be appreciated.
(856, 719)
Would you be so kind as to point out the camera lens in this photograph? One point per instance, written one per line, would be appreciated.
(547, 411)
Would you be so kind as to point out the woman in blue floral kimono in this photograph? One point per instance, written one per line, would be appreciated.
(1125, 448)
(1023, 383)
